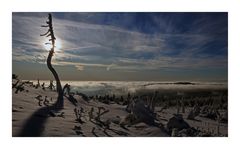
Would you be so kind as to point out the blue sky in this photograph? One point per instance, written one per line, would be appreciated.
(124, 46)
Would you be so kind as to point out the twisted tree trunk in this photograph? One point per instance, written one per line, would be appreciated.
(58, 82)
(50, 33)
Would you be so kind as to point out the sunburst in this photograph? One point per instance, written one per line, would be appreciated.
(58, 45)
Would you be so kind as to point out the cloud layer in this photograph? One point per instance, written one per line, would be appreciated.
(131, 42)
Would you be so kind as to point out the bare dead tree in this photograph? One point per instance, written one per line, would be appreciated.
(50, 33)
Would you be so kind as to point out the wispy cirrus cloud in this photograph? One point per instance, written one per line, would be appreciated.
(154, 41)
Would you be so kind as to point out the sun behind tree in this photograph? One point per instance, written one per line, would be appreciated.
(53, 44)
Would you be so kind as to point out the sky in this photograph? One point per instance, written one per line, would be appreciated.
(156, 46)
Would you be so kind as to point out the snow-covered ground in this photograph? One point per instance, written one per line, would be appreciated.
(30, 117)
